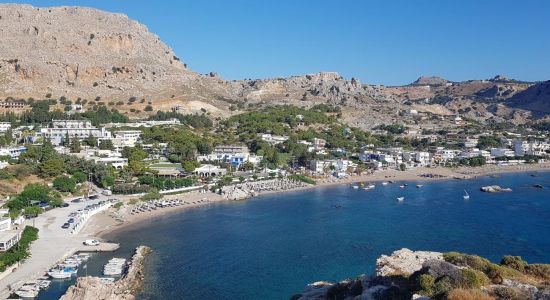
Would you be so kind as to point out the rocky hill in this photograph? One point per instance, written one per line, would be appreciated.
(85, 53)
(536, 98)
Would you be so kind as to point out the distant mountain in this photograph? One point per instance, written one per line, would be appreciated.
(536, 99)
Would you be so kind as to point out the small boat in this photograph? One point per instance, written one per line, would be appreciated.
(355, 187)
(466, 196)
(60, 272)
(28, 290)
(400, 199)
(402, 186)
(371, 186)
(385, 183)
(419, 185)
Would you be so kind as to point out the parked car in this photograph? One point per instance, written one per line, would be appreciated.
(91, 243)
(66, 225)
(71, 220)
(65, 204)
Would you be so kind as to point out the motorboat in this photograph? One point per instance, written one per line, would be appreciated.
(371, 186)
(385, 183)
(419, 185)
(400, 199)
(61, 273)
(355, 187)
(466, 196)
(28, 290)
(402, 186)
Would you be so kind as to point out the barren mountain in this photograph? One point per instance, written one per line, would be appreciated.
(86, 53)
(536, 98)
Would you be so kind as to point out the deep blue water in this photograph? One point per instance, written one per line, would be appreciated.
(270, 247)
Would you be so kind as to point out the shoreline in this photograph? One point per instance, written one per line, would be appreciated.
(107, 224)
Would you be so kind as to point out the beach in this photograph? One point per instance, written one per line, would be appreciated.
(55, 243)
(107, 222)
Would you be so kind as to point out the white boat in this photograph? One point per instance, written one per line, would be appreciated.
(28, 290)
(400, 199)
(371, 186)
(355, 187)
(402, 186)
(385, 183)
(419, 185)
(466, 196)
(61, 273)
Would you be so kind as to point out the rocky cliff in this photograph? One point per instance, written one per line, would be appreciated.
(407, 274)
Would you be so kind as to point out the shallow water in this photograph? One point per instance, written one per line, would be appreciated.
(270, 247)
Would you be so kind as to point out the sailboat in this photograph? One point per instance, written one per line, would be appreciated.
(400, 199)
(466, 196)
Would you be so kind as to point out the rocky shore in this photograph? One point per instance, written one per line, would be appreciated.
(251, 189)
(494, 189)
(92, 288)
(426, 275)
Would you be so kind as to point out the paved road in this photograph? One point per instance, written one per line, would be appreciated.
(53, 243)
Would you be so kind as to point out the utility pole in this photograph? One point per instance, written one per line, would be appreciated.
(89, 186)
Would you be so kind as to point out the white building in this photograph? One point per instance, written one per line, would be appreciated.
(126, 138)
(78, 129)
(4, 126)
(530, 148)
(8, 237)
(13, 152)
(209, 171)
(273, 139)
(500, 152)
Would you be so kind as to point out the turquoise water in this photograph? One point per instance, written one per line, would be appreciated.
(270, 247)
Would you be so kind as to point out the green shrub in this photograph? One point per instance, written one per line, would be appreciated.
(506, 293)
(426, 283)
(473, 279)
(442, 286)
(514, 262)
(538, 270)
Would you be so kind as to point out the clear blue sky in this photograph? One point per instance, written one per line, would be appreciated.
(380, 41)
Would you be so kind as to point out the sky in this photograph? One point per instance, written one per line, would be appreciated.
(390, 42)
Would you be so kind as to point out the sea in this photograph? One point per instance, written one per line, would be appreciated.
(271, 247)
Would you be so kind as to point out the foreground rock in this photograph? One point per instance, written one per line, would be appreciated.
(425, 275)
(92, 288)
(494, 189)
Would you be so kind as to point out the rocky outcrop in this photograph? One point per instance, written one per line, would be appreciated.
(92, 288)
(404, 262)
(494, 189)
(426, 275)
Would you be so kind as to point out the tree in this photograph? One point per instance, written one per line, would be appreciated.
(80, 177)
(91, 141)
(148, 108)
(402, 167)
(106, 145)
(74, 146)
(32, 211)
(190, 165)
(34, 192)
(64, 184)
(52, 167)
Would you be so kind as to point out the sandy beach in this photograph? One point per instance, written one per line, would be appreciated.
(107, 222)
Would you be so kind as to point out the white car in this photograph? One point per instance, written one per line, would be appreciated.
(91, 243)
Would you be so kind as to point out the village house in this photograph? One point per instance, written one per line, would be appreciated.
(8, 237)
(273, 139)
(13, 152)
